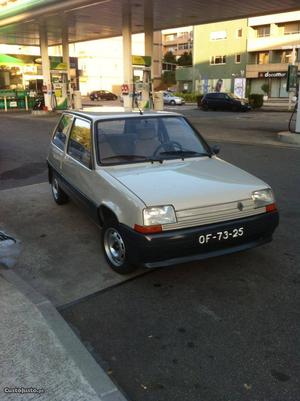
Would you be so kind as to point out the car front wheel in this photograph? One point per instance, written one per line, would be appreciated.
(115, 249)
(59, 195)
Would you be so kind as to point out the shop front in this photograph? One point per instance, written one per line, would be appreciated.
(276, 80)
(21, 81)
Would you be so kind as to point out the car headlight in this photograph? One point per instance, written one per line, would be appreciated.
(263, 197)
(159, 215)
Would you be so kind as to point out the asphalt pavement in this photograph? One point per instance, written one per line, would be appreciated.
(223, 329)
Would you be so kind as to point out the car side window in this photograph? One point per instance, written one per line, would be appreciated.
(79, 146)
(60, 135)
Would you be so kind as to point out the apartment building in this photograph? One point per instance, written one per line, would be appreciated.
(273, 43)
(220, 57)
(240, 56)
(178, 41)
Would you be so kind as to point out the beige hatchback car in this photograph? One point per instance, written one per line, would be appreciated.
(157, 189)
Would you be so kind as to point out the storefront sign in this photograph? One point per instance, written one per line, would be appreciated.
(272, 74)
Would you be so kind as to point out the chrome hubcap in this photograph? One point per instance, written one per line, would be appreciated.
(114, 247)
(55, 188)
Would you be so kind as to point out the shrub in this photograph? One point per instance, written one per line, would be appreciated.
(265, 88)
(188, 97)
(256, 100)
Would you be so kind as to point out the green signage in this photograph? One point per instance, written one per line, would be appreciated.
(142, 60)
(9, 8)
(292, 78)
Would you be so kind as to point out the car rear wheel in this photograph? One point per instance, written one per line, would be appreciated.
(115, 249)
(205, 107)
(172, 102)
(59, 195)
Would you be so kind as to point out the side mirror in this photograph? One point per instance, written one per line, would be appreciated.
(216, 149)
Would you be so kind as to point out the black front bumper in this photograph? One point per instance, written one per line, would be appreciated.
(180, 246)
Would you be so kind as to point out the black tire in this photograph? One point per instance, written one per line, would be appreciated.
(59, 196)
(204, 107)
(115, 248)
(172, 102)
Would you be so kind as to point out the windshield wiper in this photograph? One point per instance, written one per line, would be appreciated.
(132, 157)
(183, 153)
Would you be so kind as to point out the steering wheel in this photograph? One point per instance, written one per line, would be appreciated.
(167, 146)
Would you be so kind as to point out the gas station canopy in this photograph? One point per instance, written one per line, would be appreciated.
(92, 19)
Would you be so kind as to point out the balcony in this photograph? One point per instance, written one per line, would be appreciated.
(273, 42)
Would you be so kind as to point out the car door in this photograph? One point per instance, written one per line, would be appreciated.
(78, 167)
(59, 140)
(228, 102)
(214, 101)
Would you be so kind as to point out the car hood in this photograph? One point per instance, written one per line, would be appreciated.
(187, 184)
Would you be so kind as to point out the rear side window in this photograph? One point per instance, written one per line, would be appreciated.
(60, 135)
(80, 142)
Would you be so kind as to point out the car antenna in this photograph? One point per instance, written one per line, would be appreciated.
(137, 105)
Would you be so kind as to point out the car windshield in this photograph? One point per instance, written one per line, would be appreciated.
(132, 140)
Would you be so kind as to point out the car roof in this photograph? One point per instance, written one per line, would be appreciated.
(96, 116)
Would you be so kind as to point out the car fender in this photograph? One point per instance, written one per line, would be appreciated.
(120, 200)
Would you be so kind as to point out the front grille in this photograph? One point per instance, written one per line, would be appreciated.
(213, 214)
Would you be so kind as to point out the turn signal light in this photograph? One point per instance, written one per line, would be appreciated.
(271, 208)
(148, 229)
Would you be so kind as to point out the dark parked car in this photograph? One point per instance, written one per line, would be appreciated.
(224, 101)
(103, 95)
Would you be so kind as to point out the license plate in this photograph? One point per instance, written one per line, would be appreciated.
(221, 235)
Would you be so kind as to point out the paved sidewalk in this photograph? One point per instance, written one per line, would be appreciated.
(40, 352)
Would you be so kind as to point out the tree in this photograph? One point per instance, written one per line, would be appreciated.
(169, 78)
(185, 59)
(169, 58)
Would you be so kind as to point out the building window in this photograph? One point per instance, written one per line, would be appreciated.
(218, 60)
(263, 31)
(171, 37)
(239, 33)
(263, 58)
(237, 58)
(286, 56)
(218, 35)
(171, 49)
(183, 46)
(292, 28)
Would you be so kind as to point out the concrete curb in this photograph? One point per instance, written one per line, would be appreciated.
(92, 372)
(289, 137)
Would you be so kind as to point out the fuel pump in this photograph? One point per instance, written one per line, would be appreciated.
(60, 85)
(142, 87)
(142, 82)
